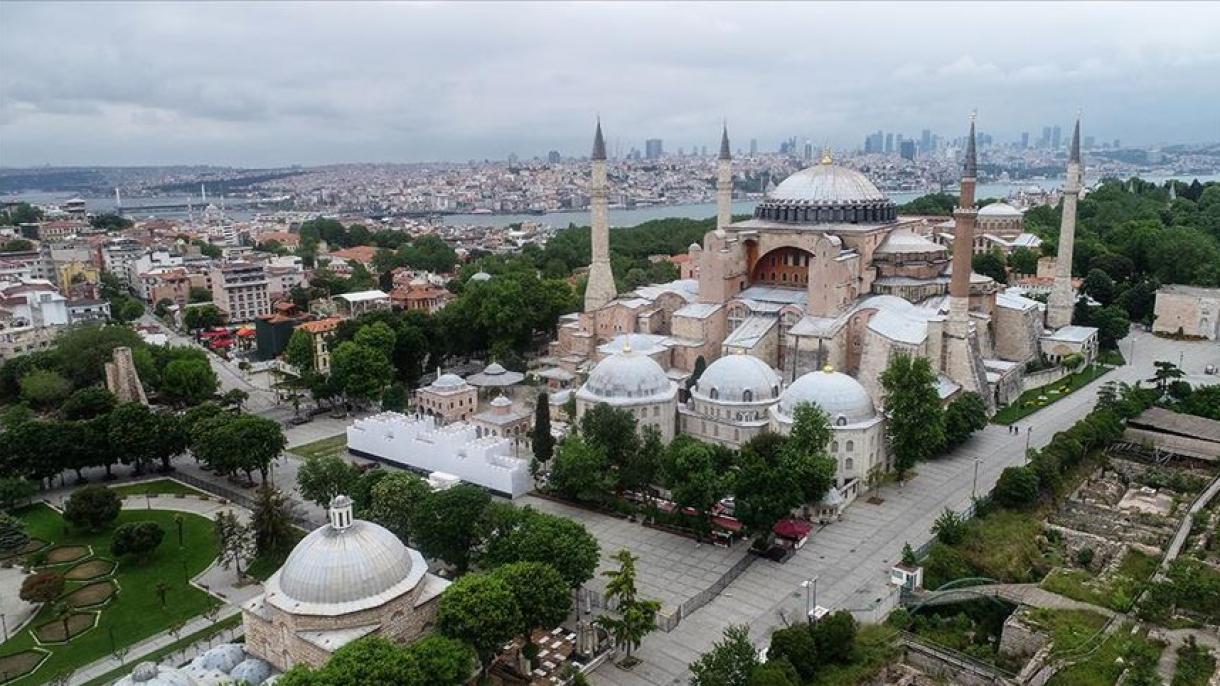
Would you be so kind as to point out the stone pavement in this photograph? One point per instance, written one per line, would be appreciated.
(851, 558)
(671, 569)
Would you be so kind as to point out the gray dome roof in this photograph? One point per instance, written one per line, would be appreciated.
(336, 571)
(907, 241)
(152, 674)
(999, 209)
(627, 375)
(732, 375)
(837, 394)
(448, 381)
(827, 183)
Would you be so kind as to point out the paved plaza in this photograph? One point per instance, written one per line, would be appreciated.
(851, 558)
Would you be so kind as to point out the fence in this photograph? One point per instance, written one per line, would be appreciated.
(243, 499)
(954, 660)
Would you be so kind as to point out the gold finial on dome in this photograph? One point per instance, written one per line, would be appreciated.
(828, 368)
(826, 157)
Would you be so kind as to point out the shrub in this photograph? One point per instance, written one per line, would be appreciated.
(92, 507)
(1084, 557)
(950, 527)
(42, 587)
(137, 538)
(1017, 488)
(12, 534)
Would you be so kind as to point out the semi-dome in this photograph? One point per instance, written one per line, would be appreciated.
(627, 375)
(738, 378)
(841, 397)
(999, 209)
(346, 566)
(826, 193)
(907, 241)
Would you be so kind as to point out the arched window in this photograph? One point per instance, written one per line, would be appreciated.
(841, 421)
(834, 446)
(851, 446)
(714, 394)
(849, 464)
(747, 396)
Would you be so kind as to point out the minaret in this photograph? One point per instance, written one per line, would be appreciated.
(964, 216)
(600, 287)
(1062, 302)
(724, 182)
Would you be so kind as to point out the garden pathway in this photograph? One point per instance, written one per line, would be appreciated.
(1176, 638)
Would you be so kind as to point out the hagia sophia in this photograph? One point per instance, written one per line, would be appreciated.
(808, 300)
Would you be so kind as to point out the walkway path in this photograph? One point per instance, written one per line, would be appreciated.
(851, 558)
(1176, 638)
(1020, 594)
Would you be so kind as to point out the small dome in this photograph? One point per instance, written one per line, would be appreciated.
(732, 377)
(494, 369)
(152, 674)
(501, 401)
(222, 658)
(907, 241)
(694, 247)
(627, 375)
(480, 276)
(827, 183)
(999, 209)
(448, 381)
(841, 397)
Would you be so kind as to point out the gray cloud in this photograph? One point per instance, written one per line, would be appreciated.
(279, 83)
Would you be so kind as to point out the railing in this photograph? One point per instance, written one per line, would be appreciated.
(955, 658)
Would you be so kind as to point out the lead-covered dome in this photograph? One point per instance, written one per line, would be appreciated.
(152, 674)
(827, 193)
(448, 382)
(627, 375)
(841, 397)
(999, 209)
(346, 566)
(738, 379)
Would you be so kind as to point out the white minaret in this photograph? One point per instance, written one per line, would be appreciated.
(724, 182)
(1062, 302)
(600, 287)
(203, 195)
(118, 199)
(340, 512)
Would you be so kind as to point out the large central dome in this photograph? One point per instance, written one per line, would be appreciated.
(827, 193)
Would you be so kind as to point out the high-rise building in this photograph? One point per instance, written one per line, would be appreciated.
(808, 150)
(925, 141)
(1024, 140)
(889, 143)
(653, 149)
(907, 150)
(1056, 137)
(553, 157)
(1045, 141)
(753, 146)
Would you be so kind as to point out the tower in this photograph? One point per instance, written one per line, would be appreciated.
(600, 287)
(963, 360)
(1062, 301)
(724, 182)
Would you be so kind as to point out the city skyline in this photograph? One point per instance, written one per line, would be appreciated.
(279, 84)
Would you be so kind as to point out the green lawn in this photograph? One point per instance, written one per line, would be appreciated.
(1116, 592)
(136, 612)
(156, 655)
(157, 487)
(335, 445)
(1029, 402)
(1102, 667)
(1069, 630)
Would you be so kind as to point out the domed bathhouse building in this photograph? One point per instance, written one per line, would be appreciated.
(730, 402)
(345, 580)
(857, 443)
(825, 272)
(632, 381)
(999, 226)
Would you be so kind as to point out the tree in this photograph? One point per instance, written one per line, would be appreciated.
(1016, 488)
(700, 367)
(394, 398)
(580, 471)
(12, 534)
(202, 317)
(804, 454)
(991, 264)
(766, 491)
(949, 527)
(299, 351)
(360, 371)
(82, 352)
(42, 587)
(271, 520)
(835, 635)
(1166, 373)
(1099, 286)
(775, 673)
(730, 662)
(322, 477)
(541, 439)
(87, 403)
(613, 431)
(393, 500)
(479, 609)
(432, 660)
(695, 476)
(1112, 325)
(526, 535)
(377, 336)
(136, 538)
(541, 594)
(234, 398)
(44, 388)
(449, 524)
(797, 646)
(188, 382)
(92, 507)
(1023, 261)
(908, 556)
(232, 443)
(966, 414)
(235, 540)
(636, 617)
(135, 433)
(916, 423)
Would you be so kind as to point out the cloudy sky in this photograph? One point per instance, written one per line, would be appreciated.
(307, 83)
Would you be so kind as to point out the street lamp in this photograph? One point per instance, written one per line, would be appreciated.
(974, 488)
(1028, 430)
(811, 597)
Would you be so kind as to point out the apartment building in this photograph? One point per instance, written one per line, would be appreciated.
(240, 289)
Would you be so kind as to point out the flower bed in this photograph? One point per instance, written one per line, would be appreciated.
(53, 631)
(91, 595)
(61, 554)
(90, 569)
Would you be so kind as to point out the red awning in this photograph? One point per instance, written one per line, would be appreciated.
(794, 529)
(727, 523)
